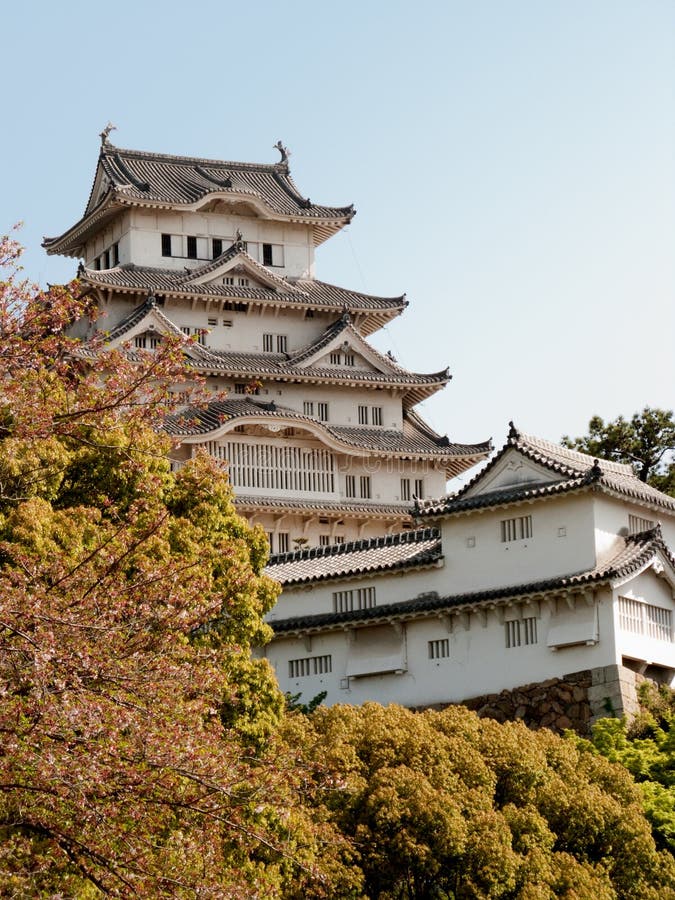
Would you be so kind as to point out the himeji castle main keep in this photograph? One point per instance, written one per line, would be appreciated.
(319, 429)
(550, 575)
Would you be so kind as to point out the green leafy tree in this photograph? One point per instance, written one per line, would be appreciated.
(646, 442)
(447, 805)
(138, 755)
(646, 748)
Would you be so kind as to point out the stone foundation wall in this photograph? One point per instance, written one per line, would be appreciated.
(574, 701)
(557, 703)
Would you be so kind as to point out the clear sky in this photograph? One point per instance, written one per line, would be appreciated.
(511, 161)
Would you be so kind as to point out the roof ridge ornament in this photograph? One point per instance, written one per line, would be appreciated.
(514, 434)
(239, 242)
(106, 131)
(285, 152)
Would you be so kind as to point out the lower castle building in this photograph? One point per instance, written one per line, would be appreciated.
(549, 563)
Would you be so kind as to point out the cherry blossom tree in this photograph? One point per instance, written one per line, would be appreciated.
(137, 755)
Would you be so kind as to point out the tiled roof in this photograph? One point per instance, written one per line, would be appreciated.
(394, 551)
(136, 177)
(632, 555)
(183, 180)
(303, 293)
(201, 421)
(574, 471)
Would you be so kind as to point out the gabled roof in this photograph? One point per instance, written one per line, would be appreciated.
(372, 312)
(631, 556)
(235, 258)
(563, 470)
(138, 178)
(403, 550)
(149, 317)
(293, 367)
(195, 425)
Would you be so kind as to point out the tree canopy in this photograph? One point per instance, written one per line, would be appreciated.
(646, 747)
(138, 749)
(646, 442)
(447, 805)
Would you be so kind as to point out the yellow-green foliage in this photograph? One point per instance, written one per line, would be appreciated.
(647, 750)
(446, 805)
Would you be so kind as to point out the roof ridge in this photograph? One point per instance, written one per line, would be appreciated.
(111, 149)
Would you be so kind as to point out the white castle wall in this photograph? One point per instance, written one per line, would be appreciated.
(478, 661)
(562, 542)
(147, 226)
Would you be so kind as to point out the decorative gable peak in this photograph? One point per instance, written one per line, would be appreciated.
(236, 264)
(512, 471)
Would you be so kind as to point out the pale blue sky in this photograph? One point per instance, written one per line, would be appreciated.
(512, 164)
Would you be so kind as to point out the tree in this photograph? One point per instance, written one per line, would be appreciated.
(646, 442)
(138, 754)
(447, 805)
(646, 747)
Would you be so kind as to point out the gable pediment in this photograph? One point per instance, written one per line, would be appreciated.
(346, 357)
(513, 471)
(101, 186)
(237, 268)
(344, 349)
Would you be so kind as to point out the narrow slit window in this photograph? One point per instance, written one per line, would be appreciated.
(166, 245)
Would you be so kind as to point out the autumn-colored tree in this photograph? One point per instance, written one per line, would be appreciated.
(137, 755)
(646, 442)
(447, 805)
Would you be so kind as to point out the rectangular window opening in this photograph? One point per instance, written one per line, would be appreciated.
(439, 649)
(517, 529)
(354, 598)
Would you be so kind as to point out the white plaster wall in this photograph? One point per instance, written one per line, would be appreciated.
(116, 231)
(548, 553)
(611, 518)
(479, 662)
(392, 587)
(343, 401)
(148, 226)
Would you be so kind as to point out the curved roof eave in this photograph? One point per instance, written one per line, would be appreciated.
(322, 433)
